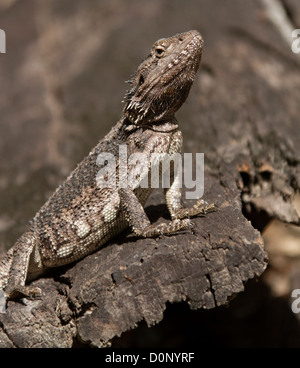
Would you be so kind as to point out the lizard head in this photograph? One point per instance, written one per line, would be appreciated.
(163, 80)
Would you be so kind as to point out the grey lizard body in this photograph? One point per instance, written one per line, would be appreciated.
(81, 216)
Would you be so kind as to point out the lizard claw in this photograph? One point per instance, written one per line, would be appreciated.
(191, 224)
(162, 235)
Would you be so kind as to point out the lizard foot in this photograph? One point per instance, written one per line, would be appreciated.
(18, 292)
(200, 208)
(166, 228)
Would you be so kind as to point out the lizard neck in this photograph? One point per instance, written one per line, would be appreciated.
(165, 126)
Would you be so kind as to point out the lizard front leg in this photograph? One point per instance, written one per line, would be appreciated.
(139, 222)
(173, 197)
(18, 271)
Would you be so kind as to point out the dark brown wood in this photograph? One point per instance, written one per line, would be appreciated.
(62, 91)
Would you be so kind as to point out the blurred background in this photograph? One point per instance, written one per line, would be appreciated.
(61, 87)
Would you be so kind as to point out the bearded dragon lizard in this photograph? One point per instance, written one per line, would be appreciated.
(81, 216)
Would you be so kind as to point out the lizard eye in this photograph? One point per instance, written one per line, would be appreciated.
(159, 51)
